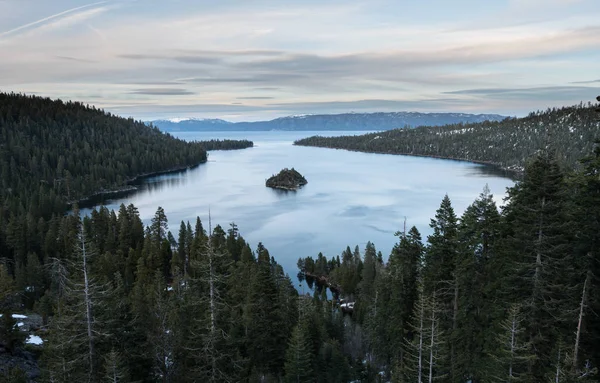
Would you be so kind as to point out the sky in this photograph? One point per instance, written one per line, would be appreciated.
(250, 60)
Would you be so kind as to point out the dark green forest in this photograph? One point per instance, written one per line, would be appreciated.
(492, 296)
(54, 152)
(507, 144)
(495, 295)
(507, 296)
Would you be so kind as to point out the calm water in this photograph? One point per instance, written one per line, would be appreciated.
(351, 198)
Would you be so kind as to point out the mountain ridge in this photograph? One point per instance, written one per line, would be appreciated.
(569, 131)
(312, 122)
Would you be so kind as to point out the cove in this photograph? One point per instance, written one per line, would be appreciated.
(350, 198)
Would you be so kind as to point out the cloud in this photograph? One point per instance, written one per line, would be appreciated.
(71, 12)
(74, 59)
(550, 93)
(255, 98)
(58, 20)
(585, 82)
(162, 91)
(301, 60)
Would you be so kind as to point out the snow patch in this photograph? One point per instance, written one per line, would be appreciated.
(17, 316)
(178, 120)
(34, 339)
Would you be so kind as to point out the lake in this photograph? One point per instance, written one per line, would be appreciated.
(350, 198)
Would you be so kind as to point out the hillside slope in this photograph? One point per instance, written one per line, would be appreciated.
(346, 121)
(52, 152)
(507, 144)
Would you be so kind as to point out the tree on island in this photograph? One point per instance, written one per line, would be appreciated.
(287, 179)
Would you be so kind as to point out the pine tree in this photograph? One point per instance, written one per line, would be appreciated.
(367, 284)
(439, 276)
(426, 354)
(298, 357)
(159, 226)
(538, 269)
(71, 351)
(512, 353)
(399, 293)
(10, 336)
(266, 331)
(7, 289)
(212, 355)
(587, 204)
(477, 234)
(115, 371)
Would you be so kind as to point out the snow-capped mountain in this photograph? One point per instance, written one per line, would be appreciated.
(312, 122)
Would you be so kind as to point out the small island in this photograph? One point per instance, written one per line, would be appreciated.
(287, 179)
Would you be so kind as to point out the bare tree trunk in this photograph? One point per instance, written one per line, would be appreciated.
(432, 343)
(88, 307)
(513, 333)
(454, 326)
(421, 318)
(538, 259)
(579, 323)
(557, 376)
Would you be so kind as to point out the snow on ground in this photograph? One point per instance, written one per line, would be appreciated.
(20, 324)
(17, 316)
(34, 339)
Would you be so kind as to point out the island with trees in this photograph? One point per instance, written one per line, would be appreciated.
(287, 179)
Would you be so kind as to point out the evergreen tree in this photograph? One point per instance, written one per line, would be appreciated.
(537, 263)
(439, 276)
(512, 352)
(587, 204)
(298, 357)
(477, 234)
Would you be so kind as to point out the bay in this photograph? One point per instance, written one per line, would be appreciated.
(350, 198)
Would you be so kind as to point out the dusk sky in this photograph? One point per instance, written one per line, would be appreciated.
(251, 60)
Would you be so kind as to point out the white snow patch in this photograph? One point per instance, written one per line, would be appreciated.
(178, 120)
(20, 324)
(17, 316)
(34, 339)
(169, 288)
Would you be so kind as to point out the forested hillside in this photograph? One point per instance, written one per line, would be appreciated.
(492, 296)
(122, 303)
(508, 143)
(52, 148)
(509, 295)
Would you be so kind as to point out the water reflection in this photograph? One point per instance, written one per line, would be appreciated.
(350, 197)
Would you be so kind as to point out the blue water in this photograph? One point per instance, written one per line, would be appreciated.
(350, 198)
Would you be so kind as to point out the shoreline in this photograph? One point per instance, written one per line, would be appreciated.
(131, 185)
(510, 173)
(285, 188)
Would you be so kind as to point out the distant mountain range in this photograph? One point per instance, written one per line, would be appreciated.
(346, 121)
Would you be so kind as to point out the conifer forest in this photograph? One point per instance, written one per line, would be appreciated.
(507, 294)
